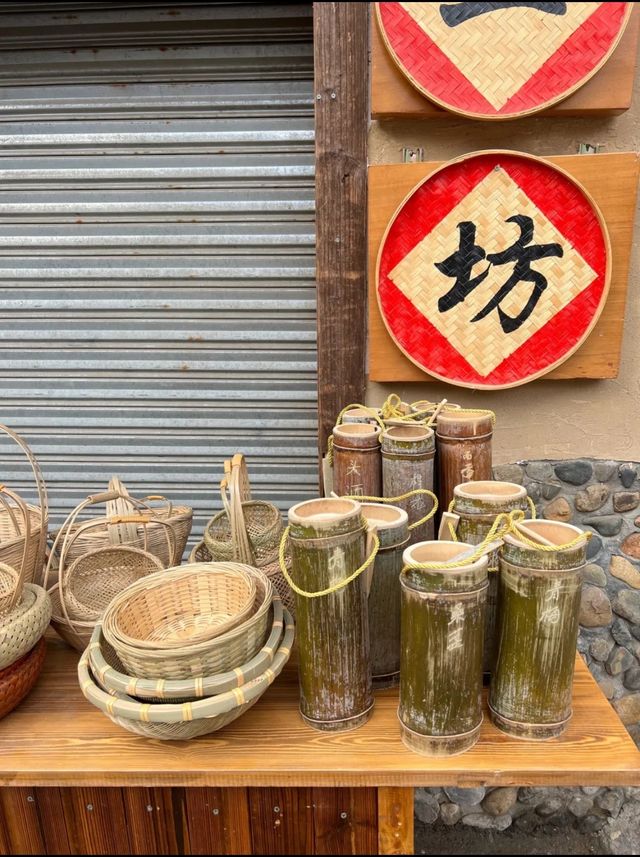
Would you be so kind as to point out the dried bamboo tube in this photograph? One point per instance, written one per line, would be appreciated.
(357, 465)
(407, 464)
(392, 528)
(441, 649)
(360, 415)
(538, 606)
(327, 543)
(463, 443)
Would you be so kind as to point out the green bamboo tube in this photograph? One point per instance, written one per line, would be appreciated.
(392, 528)
(328, 543)
(441, 650)
(478, 504)
(407, 464)
(538, 606)
(357, 466)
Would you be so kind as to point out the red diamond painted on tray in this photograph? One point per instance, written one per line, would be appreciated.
(500, 60)
(493, 271)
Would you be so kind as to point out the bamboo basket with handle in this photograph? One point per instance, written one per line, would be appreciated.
(12, 581)
(20, 550)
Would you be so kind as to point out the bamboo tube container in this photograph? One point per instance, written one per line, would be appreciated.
(476, 506)
(407, 464)
(392, 528)
(328, 543)
(357, 465)
(360, 415)
(539, 602)
(463, 442)
(441, 650)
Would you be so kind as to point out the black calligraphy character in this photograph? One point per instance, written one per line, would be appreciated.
(459, 266)
(523, 253)
(458, 13)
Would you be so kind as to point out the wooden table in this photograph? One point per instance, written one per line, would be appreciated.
(74, 783)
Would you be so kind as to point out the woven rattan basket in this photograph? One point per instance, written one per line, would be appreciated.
(17, 680)
(111, 675)
(25, 552)
(21, 629)
(76, 633)
(188, 719)
(208, 657)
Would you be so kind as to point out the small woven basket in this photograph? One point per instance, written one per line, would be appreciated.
(17, 680)
(207, 657)
(22, 627)
(76, 633)
(188, 719)
(111, 675)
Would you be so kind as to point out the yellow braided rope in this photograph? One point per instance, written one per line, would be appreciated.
(532, 507)
(336, 586)
(391, 500)
(454, 534)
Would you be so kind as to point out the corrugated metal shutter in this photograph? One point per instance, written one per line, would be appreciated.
(157, 246)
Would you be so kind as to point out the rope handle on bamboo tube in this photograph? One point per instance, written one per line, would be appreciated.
(336, 586)
(391, 500)
(372, 413)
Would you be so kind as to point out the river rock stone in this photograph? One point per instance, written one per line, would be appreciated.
(592, 498)
(539, 471)
(621, 633)
(500, 800)
(603, 470)
(509, 473)
(593, 573)
(549, 807)
(574, 472)
(450, 813)
(580, 805)
(487, 822)
(558, 510)
(590, 790)
(591, 824)
(427, 808)
(595, 608)
(469, 797)
(631, 545)
(619, 661)
(627, 473)
(627, 604)
(549, 490)
(626, 501)
(601, 648)
(610, 802)
(631, 679)
(606, 525)
(594, 546)
(624, 570)
(628, 708)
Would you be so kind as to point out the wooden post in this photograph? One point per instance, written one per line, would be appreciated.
(341, 39)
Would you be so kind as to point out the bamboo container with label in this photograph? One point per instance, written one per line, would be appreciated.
(407, 464)
(476, 506)
(392, 528)
(463, 442)
(327, 542)
(441, 648)
(357, 464)
(539, 603)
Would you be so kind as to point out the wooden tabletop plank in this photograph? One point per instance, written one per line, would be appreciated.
(56, 738)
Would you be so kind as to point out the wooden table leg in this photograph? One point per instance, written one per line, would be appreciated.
(395, 820)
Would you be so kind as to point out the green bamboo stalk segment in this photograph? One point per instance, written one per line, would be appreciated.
(357, 466)
(538, 606)
(477, 504)
(392, 528)
(328, 543)
(441, 649)
(408, 452)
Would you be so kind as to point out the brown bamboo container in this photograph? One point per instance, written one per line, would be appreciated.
(407, 464)
(327, 542)
(463, 443)
(539, 603)
(357, 465)
(441, 650)
(476, 505)
(392, 528)
(360, 415)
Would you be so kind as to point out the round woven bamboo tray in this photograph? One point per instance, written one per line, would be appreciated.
(17, 680)
(209, 657)
(189, 719)
(111, 674)
(22, 627)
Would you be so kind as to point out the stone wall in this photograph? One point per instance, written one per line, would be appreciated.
(602, 497)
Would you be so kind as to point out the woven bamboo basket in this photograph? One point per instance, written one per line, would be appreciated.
(207, 657)
(18, 549)
(76, 634)
(188, 719)
(21, 629)
(17, 680)
(111, 675)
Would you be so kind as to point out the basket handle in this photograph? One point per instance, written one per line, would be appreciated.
(151, 519)
(24, 510)
(239, 534)
(40, 486)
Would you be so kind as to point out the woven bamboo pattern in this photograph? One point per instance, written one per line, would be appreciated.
(76, 634)
(111, 674)
(189, 719)
(207, 657)
(22, 627)
(500, 60)
(493, 270)
(17, 680)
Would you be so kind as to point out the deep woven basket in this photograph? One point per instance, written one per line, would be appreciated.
(17, 680)
(188, 719)
(263, 523)
(209, 657)
(76, 633)
(22, 627)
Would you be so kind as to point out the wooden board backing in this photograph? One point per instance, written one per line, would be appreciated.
(611, 179)
(608, 92)
(56, 738)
